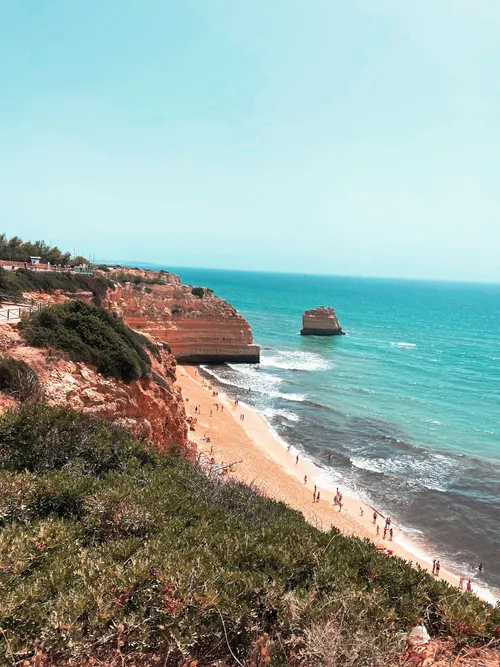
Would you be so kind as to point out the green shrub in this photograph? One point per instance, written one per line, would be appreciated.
(110, 516)
(41, 438)
(19, 380)
(171, 565)
(103, 267)
(91, 335)
(14, 283)
(198, 291)
(126, 277)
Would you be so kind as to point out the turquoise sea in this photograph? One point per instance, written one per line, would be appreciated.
(407, 402)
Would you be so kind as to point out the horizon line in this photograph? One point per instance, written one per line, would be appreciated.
(138, 263)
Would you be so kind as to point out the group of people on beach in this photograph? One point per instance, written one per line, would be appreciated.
(464, 584)
(468, 587)
(436, 567)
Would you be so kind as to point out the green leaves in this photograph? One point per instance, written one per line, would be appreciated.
(105, 542)
(91, 335)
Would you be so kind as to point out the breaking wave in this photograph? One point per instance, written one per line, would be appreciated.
(296, 360)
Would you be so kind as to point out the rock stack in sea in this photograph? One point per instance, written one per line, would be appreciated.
(320, 321)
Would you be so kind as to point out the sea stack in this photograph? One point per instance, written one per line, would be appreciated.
(320, 321)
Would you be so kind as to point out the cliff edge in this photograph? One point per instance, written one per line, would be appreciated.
(150, 407)
(198, 326)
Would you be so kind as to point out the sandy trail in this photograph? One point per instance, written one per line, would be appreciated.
(262, 459)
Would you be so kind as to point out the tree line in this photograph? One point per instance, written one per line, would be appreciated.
(17, 250)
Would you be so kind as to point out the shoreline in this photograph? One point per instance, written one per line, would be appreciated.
(262, 458)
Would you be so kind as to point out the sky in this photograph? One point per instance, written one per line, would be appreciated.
(354, 137)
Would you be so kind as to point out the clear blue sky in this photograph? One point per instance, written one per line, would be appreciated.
(325, 136)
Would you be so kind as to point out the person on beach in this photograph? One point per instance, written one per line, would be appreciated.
(391, 534)
(461, 583)
(296, 459)
(480, 568)
(317, 497)
(378, 529)
(314, 495)
(374, 517)
(289, 448)
(385, 531)
(305, 479)
(434, 566)
(438, 567)
(469, 587)
(315, 489)
(340, 507)
(361, 511)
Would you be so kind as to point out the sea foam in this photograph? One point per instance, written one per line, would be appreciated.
(295, 360)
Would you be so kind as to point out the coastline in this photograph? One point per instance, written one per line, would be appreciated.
(261, 458)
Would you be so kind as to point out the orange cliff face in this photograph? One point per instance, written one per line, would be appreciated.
(199, 328)
(152, 407)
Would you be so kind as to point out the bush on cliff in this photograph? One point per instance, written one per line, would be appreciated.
(125, 277)
(91, 335)
(201, 291)
(112, 550)
(14, 283)
(18, 379)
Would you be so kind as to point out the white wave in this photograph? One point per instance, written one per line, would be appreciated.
(295, 360)
(435, 473)
(291, 416)
(259, 387)
(402, 344)
(253, 373)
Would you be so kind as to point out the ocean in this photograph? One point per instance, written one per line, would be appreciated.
(406, 404)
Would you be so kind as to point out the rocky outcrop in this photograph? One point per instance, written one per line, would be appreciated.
(320, 321)
(198, 326)
(152, 407)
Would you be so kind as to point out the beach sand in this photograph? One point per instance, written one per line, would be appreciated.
(261, 458)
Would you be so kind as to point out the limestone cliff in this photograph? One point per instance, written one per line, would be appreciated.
(321, 321)
(198, 326)
(152, 407)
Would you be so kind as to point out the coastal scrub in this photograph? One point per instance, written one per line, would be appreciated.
(15, 283)
(112, 550)
(91, 335)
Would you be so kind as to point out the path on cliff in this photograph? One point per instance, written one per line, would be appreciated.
(11, 309)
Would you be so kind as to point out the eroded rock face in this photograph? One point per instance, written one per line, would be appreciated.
(320, 321)
(152, 407)
(198, 329)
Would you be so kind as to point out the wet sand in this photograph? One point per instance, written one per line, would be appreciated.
(262, 459)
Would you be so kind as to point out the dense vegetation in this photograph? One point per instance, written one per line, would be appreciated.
(14, 283)
(17, 250)
(18, 379)
(123, 277)
(92, 335)
(112, 550)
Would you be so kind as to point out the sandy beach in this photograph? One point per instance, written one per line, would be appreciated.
(260, 458)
